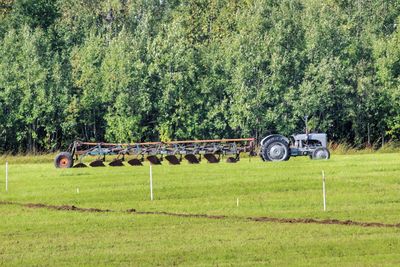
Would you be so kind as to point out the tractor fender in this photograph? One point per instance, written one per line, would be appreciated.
(274, 135)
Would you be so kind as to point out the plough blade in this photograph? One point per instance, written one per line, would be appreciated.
(116, 163)
(211, 158)
(154, 160)
(80, 165)
(231, 160)
(192, 159)
(173, 160)
(97, 163)
(135, 162)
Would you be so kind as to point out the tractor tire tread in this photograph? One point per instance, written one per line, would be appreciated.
(275, 139)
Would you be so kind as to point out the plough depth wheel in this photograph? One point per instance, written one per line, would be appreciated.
(64, 160)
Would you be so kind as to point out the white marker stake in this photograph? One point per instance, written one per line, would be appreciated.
(151, 182)
(77, 190)
(323, 189)
(6, 176)
(237, 202)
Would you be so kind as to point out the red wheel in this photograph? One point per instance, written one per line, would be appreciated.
(63, 160)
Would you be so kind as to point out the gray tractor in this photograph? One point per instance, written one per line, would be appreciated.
(277, 147)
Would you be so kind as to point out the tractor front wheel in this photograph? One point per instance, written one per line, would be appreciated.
(63, 160)
(321, 153)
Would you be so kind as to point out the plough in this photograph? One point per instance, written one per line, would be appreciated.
(155, 152)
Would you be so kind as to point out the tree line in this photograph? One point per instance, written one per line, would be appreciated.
(140, 70)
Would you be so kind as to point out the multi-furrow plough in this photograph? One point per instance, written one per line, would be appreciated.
(155, 152)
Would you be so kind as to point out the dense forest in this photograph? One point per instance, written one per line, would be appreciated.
(136, 70)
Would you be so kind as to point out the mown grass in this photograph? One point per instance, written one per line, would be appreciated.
(359, 187)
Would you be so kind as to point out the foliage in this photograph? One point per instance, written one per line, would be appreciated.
(148, 70)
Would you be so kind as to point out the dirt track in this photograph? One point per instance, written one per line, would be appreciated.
(216, 217)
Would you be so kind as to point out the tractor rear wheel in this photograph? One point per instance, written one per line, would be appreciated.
(321, 153)
(276, 149)
(63, 160)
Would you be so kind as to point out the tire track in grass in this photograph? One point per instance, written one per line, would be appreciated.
(54, 207)
(206, 216)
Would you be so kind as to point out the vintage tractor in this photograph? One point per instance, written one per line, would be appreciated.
(277, 147)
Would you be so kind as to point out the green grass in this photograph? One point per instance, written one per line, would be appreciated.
(359, 187)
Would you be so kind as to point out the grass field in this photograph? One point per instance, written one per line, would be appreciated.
(362, 188)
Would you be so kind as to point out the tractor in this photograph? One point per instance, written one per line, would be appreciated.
(277, 147)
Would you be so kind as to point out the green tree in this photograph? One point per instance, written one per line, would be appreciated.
(24, 93)
(86, 61)
(124, 90)
(34, 13)
(387, 55)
